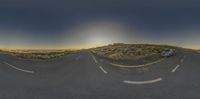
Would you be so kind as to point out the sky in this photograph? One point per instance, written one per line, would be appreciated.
(57, 24)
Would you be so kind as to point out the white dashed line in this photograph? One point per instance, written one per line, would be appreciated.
(142, 82)
(136, 66)
(173, 70)
(104, 71)
(94, 59)
(27, 71)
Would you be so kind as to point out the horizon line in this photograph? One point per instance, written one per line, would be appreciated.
(89, 47)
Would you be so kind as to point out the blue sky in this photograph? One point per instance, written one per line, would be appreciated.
(88, 23)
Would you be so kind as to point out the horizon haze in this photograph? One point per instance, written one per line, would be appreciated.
(85, 24)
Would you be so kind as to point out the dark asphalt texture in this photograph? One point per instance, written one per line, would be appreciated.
(77, 76)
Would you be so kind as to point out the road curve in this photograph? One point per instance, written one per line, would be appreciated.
(78, 76)
(19, 69)
(143, 82)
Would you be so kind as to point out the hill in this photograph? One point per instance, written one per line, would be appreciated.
(120, 51)
(37, 54)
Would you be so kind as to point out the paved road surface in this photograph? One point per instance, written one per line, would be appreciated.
(86, 76)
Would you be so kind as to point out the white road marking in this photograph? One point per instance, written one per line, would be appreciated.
(142, 82)
(136, 66)
(94, 59)
(27, 71)
(173, 70)
(104, 71)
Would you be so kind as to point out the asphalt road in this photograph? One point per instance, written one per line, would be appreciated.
(85, 76)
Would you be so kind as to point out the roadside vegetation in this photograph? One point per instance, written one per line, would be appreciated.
(120, 51)
(117, 51)
(37, 54)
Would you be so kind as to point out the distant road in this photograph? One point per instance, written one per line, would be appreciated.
(86, 76)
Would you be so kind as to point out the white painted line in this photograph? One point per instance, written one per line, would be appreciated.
(173, 70)
(27, 71)
(94, 59)
(136, 66)
(104, 71)
(142, 82)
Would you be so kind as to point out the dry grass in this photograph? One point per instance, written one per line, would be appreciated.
(121, 51)
(37, 55)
